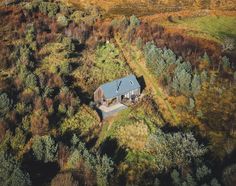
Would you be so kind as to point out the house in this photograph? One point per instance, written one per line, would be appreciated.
(117, 91)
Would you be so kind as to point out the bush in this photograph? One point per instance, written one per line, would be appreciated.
(134, 21)
(62, 20)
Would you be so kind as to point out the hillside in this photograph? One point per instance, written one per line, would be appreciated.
(147, 7)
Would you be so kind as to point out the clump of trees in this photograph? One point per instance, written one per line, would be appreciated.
(11, 172)
(99, 166)
(45, 148)
(174, 150)
(172, 71)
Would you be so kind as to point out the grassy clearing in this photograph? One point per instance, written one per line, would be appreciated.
(142, 117)
(208, 27)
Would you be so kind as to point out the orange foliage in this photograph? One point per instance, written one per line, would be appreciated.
(39, 123)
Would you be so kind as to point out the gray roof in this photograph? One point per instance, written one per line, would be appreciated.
(120, 86)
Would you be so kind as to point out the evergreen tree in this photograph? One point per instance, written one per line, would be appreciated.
(45, 148)
(103, 170)
(134, 21)
(202, 172)
(206, 58)
(5, 104)
(204, 76)
(226, 63)
(175, 178)
(31, 81)
(177, 149)
(11, 173)
(196, 84)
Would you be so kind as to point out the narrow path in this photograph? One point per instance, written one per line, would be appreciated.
(139, 68)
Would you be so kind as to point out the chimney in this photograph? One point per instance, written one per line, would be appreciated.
(118, 86)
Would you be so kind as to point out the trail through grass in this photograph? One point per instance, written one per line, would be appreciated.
(137, 64)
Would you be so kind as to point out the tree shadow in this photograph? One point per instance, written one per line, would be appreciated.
(142, 82)
(84, 96)
(41, 173)
(111, 148)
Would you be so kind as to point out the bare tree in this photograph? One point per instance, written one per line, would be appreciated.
(228, 44)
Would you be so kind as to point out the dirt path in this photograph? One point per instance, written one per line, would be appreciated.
(136, 62)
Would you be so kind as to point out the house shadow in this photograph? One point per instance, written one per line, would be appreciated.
(141, 82)
(111, 148)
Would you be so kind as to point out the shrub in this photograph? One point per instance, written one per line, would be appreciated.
(62, 20)
(134, 21)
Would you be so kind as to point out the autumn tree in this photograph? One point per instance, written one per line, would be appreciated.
(63, 179)
(39, 123)
(218, 106)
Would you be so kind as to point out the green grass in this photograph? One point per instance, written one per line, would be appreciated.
(210, 27)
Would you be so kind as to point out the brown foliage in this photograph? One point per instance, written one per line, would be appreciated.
(3, 128)
(39, 123)
(63, 155)
(66, 178)
(188, 47)
(80, 32)
(218, 106)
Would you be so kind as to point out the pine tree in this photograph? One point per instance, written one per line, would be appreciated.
(11, 173)
(226, 63)
(204, 77)
(5, 104)
(45, 148)
(103, 170)
(134, 21)
(196, 84)
(175, 178)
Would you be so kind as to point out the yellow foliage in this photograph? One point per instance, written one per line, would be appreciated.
(84, 120)
(133, 136)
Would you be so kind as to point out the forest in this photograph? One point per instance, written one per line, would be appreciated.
(55, 54)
